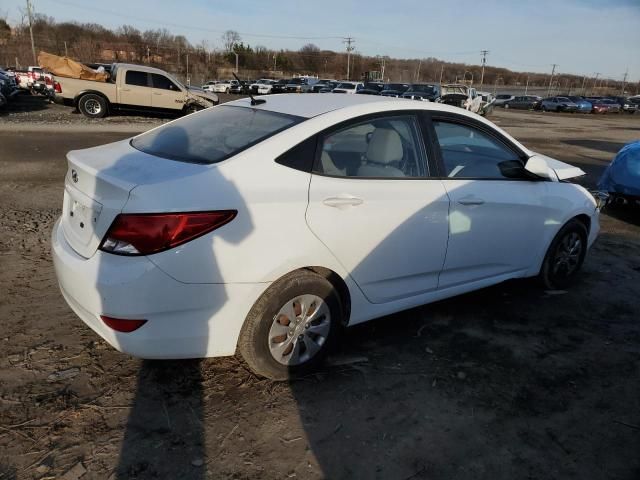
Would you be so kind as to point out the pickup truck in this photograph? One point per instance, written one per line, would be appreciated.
(132, 87)
(461, 96)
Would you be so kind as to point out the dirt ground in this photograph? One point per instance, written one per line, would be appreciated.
(510, 382)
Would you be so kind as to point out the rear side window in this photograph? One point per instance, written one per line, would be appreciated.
(136, 78)
(214, 134)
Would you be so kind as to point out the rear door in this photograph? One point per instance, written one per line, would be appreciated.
(497, 216)
(372, 203)
(135, 89)
(165, 93)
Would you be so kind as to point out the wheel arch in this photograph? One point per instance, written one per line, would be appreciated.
(339, 284)
(79, 95)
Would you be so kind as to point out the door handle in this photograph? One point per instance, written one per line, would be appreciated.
(470, 201)
(342, 201)
(125, 89)
(157, 93)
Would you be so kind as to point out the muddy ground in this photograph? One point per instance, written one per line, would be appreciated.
(510, 382)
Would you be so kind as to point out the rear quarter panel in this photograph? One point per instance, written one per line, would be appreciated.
(71, 87)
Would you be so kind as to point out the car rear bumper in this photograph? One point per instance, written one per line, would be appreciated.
(183, 320)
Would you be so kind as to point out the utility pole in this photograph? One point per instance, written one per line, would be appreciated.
(526, 87)
(624, 81)
(595, 82)
(65, 49)
(33, 45)
(553, 70)
(441, 72)
(349, 41)
(418, 72)
(484, 60)
(188, 79)
(584, 79)
(148, 55)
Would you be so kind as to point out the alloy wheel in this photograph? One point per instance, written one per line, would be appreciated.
(299, 330)
(567, 256)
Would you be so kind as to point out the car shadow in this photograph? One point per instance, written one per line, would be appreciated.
(24, 102)
(625, 213)
(164, 434)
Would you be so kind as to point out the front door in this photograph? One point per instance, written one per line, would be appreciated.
(373, 205)
(497, 216)
(165, 93)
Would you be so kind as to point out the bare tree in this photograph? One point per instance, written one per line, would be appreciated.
(310, 54)
(229, 39)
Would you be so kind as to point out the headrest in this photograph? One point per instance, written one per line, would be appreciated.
(385, 146)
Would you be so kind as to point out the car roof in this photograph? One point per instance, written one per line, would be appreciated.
(309, 106)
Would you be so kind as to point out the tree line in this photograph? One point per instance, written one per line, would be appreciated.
(93, 43)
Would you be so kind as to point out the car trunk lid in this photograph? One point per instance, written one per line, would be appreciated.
(98, 183)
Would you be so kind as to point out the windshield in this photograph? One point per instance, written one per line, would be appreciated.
(396, 86)
(296, 81)
(213, 135)
(422, 88)
(346, 86)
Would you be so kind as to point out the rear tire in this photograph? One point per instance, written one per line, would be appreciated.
(292, 326)
(565, 256)
(92, 105)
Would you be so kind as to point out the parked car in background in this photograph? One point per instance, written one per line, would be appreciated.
(626, 104)
(371, 88)
(280, 86)
(584, 106)
(462, 96)
(262, 86)
(524, 102)
(328, 87)
(348, 87)
(320, 84)
(8, 86)
(209, 85)
(301, 84)
(558, 104)
(222, 86)
(394, 89)
(132, 87)
(503, 98)
(177, 243)
(604, 105)
(428, 92)
(487, 103)
(236, 87)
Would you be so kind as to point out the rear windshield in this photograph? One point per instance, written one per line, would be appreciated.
(214, 134)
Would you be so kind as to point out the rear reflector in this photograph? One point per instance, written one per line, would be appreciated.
(144, 234)
(122, 325)
(57, 87)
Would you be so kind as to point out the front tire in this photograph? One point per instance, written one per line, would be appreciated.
(92, 105)
(565, 256)
(292, 326)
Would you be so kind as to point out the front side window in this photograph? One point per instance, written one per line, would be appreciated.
(214, 134)
(163, 83)
(136, 78)
(384, 147)
(470, 153)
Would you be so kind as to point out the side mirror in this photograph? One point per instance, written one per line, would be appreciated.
(538, 166)
(513, 169)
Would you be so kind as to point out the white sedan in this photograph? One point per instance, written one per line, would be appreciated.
(265, 227)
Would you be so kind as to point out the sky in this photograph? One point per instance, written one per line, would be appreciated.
(581, 36)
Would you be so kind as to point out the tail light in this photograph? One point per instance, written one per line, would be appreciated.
(57, 87)
(144, 234)
(48, 80)
(121, 324)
